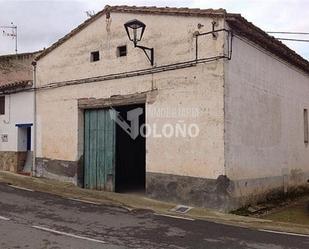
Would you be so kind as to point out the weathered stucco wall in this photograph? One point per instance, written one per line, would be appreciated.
(18, 110)
(171, 36)
(60, 122)
(264, 124)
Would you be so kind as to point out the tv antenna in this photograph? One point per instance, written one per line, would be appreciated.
(90, 13)
(10, 31)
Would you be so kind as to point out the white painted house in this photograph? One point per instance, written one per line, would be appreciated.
(16, 112)
(237, 97)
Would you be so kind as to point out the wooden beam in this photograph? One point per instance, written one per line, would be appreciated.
(117, 100)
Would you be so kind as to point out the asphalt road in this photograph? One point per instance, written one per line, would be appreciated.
(37, 220)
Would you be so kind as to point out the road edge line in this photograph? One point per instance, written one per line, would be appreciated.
(84, 201)
(284, 233)
(174, 216)
(4, 218)
(68, 234)
(21, 188)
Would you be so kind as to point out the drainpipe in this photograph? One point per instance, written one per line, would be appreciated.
(34, 121)
(9, 112)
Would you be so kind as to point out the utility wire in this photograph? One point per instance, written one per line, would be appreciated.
(287, 39)
(288, 33)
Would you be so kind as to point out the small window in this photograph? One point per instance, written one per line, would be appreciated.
(2, 105)
(122, 51)
(306, 132)
(94, 56)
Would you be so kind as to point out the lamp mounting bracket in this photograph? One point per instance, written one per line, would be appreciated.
(149, 52)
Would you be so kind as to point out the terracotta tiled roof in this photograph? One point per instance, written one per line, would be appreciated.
(19, 55)
(15, 84)
(165, 10)
(239, 25)
(16, 70)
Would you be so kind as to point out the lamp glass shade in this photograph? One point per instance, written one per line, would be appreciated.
(135, 30)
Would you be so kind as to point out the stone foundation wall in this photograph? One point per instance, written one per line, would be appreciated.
(252, 191)
(12, 160)
(67, 171)
(222, 193)
(192, 191)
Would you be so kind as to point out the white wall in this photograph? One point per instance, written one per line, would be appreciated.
(200, 87)
(18, 110)
(264, 127)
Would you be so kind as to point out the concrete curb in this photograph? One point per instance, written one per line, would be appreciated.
(136, 202)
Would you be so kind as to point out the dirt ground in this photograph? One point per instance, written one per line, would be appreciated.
(296, 212)
(291, 210)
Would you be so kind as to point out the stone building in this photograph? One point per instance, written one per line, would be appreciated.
(205, 109)
(16, 112)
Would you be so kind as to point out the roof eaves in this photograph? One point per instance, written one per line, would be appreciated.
(248, 30)
(167, 10)
(19, 55)
(16, 85)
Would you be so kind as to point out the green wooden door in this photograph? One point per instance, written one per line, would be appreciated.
(99, 150)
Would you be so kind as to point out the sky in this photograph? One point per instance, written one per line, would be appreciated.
(42, 22)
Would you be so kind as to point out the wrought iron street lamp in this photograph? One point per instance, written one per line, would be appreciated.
(135, 30)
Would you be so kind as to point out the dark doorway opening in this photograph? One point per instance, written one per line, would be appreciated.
(24, 161)
(28, 138)
(130, 152)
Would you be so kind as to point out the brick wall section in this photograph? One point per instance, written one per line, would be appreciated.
(16, 68)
